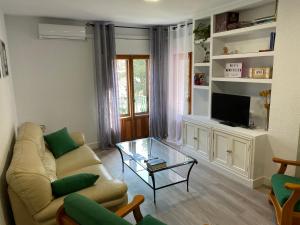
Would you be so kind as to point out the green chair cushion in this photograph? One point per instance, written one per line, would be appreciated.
(149, 220)
(282, 194)
(73, 183)
(60, 142)
(88, 212)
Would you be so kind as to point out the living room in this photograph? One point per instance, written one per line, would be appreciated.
(179, 106)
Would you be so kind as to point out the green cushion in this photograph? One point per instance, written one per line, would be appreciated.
(73, 183)
(60, 142)
(88, 212)
(282, 194)
(149, 220)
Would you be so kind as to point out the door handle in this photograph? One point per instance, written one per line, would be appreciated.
(195, 138)
(229, 151)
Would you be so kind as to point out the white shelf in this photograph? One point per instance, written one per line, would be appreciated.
(206, 42)
(244, 80)
(245, 55)
(202, 64)
(246, 30)
(201, 87)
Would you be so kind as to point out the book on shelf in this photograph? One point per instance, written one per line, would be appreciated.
(272, 40)
(156, 164)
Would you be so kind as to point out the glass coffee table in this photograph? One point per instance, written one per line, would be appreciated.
(135, 155)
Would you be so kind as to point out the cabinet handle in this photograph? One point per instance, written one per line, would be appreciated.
(229, 151)
(195, 138)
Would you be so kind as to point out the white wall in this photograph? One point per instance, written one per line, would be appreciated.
(7, 130)
(285, 105)
(54, 79)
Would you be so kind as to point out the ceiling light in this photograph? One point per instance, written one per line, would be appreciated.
(151, 0)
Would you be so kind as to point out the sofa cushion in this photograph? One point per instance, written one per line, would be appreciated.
(88, 212)
(76, 159)
(282, 194)
(27, 177)
(48, 161)
(98, 169)
(60, 142)
(149, 220)
(73, 183)
(32, 132)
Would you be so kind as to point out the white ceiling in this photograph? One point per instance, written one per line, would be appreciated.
(126, 11)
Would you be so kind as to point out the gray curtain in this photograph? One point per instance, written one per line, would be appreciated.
(106, 83)
(159, 44)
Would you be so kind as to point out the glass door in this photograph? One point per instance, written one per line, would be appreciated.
(133, 79)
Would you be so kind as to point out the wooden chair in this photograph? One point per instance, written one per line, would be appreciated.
(63, 219)
(285, 211)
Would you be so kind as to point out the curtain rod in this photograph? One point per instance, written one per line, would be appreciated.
(143, 28)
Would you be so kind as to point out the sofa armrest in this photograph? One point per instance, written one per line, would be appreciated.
(78, 138)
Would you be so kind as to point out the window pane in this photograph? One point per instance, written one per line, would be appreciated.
(123, 86)
(140, 85)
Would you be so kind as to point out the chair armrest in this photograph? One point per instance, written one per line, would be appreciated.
(78, 138)
(292, 186)
(284, 163)
(134, 207)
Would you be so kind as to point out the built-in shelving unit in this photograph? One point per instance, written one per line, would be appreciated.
(202, 64)
(262, 28)
(244, 80)
(245, 55)
(201, 87)
(247, 45)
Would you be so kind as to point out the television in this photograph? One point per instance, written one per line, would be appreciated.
(232, 110)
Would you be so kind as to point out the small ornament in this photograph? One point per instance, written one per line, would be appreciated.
(225, 51)
(267, 95)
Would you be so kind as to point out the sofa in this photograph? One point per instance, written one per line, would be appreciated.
(33, 168)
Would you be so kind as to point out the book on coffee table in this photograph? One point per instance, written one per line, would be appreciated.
(156, 164)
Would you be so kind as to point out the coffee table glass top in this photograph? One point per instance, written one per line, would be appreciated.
(142, 150)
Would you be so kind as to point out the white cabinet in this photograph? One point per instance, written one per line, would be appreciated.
(232, 152)
(197, 138)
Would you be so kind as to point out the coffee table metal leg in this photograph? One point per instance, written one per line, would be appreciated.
(188, 176)
(122, 159)
(154, 188)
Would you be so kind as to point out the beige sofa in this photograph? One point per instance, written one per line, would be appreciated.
(33, 167)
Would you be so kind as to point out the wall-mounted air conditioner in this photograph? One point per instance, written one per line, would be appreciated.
(62, 31)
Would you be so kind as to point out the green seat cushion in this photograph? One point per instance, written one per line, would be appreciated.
(88, 212)
(60, 142)
(73, 183)
(282, 194)
(149, 220)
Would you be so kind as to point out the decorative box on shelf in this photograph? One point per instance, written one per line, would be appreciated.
(260, 73)
(233, 70)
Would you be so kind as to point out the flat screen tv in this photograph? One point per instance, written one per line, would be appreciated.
(232, 110)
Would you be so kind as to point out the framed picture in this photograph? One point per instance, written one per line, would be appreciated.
(3, 58)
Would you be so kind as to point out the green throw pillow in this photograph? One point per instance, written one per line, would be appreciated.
(60, 142)
(88, 212)
(73, 183)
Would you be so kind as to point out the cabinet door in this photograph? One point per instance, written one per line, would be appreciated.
(221, 147)
(190, 135)
(240, 155)
(203, 141)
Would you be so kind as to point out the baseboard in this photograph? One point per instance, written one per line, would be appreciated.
(267, 181)
(93, 145)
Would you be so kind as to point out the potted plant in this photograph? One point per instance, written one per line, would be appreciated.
(202, 33)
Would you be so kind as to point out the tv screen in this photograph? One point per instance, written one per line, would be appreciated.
(232, 109)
